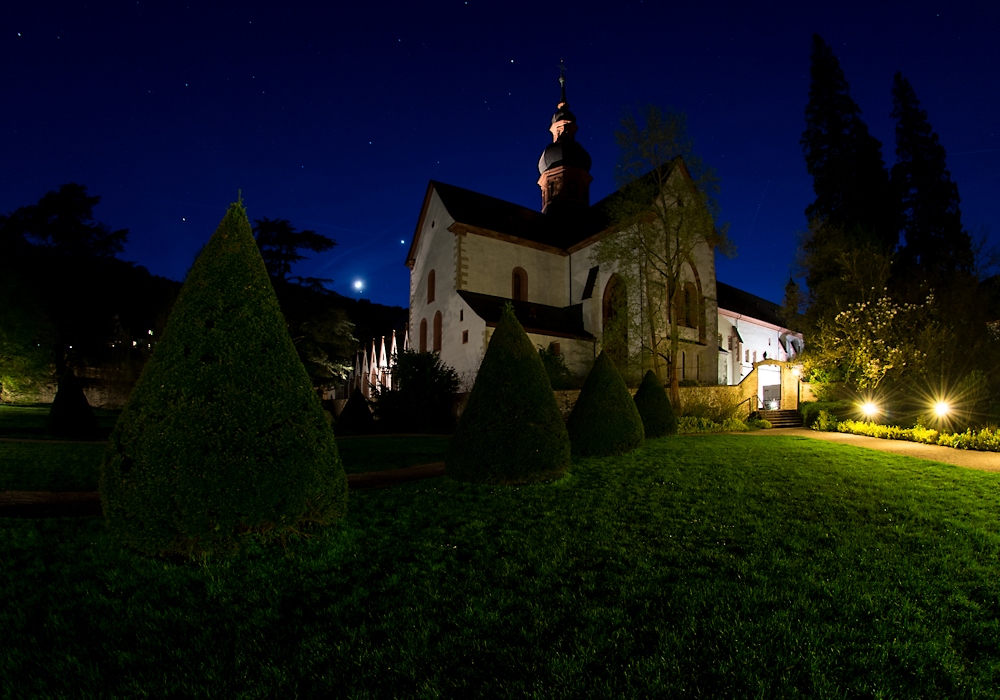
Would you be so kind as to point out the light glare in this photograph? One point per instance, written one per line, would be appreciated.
(942, 408)
(869, 408)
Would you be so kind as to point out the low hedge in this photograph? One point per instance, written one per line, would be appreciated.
(694, 425)
(986, 439)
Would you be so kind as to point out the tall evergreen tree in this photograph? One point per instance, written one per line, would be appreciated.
(845, 161)
(937, 246)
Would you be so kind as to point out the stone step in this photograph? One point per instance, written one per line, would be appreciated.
(783, 419)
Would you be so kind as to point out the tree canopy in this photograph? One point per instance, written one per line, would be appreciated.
(936, 244)
(63, 221)
(844, 160)
(280, 244)
(664, 212)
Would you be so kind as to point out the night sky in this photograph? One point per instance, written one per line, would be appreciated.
(335, 117)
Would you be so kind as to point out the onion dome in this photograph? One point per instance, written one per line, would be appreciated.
(566, 152)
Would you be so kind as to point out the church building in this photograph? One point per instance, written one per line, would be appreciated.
(472, 253)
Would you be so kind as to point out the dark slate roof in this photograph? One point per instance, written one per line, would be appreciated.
(565, 322)
(492, 214)
(736, 300)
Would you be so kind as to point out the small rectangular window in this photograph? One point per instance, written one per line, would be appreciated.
(461, 314)
(465, 337)
(556, 350)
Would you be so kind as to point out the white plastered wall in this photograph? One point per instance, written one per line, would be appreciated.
(492, 263)
(759, 337)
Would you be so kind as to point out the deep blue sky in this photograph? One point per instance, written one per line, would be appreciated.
(336, 117)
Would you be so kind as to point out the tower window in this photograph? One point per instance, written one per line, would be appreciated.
(430, 286)
(465, 337)
(437, 332)
(423, 335)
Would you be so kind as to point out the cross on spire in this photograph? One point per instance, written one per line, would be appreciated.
(562, 82)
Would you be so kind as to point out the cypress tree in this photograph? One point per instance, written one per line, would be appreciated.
(71, 415)
(511, 430)
(658, 417)
(605, 420)
(223, 434)
(845, 161)
(937, 246)
(356, 417)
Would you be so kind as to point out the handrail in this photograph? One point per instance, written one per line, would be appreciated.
(752, 407)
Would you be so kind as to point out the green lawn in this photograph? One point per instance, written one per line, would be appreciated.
(703, 566)
(31, 421)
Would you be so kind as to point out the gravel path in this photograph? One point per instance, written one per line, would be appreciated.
(971, 459)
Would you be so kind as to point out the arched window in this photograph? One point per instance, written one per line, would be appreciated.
(437, 332)
(519, 285)
(423, 335)
(430, 286)
(614, 316)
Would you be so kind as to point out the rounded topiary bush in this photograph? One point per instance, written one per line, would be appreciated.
(511, 430)
(71, 416)
(658, 417)
(604, 420)
(223, 435)
(356, 417)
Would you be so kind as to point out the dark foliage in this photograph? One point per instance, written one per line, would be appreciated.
(63, 221)
(422, 399)
(844, 160)
(511, 430)
(280, 243)
(658, 416)
(555, 367)
(356, 417)
(71, 416)
(936, 245)
(223, 435)
(605, 420)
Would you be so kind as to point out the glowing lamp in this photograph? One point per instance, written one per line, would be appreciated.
(941, 409)
(869, 409)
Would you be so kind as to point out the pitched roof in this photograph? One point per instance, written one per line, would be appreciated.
(560, 232)
(746, 304)
(485, 214)
(563, 322)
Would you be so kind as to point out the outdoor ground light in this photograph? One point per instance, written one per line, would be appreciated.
(869, 408)
(942, 409)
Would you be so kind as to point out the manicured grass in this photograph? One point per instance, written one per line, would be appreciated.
(705, 566)
(49, 466)
(54, 466)
(31, 421)
(373, 453)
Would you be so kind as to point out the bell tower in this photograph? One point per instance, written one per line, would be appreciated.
(564, 166)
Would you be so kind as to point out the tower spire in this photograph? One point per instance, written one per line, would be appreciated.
(564, 166)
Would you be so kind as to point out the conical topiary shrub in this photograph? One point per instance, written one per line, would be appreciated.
(511, 430)
(71, 416)
(356, 417)
(223, 434)
(604, 420)
(658, 417)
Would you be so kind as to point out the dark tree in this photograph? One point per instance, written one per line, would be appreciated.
(63, 220)
(791, 307)
(223, 435)
(280, 243)
(658, 417)
(71, 416)
(511, 431)
(605, 419)
(844, 160)
(937, 246)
